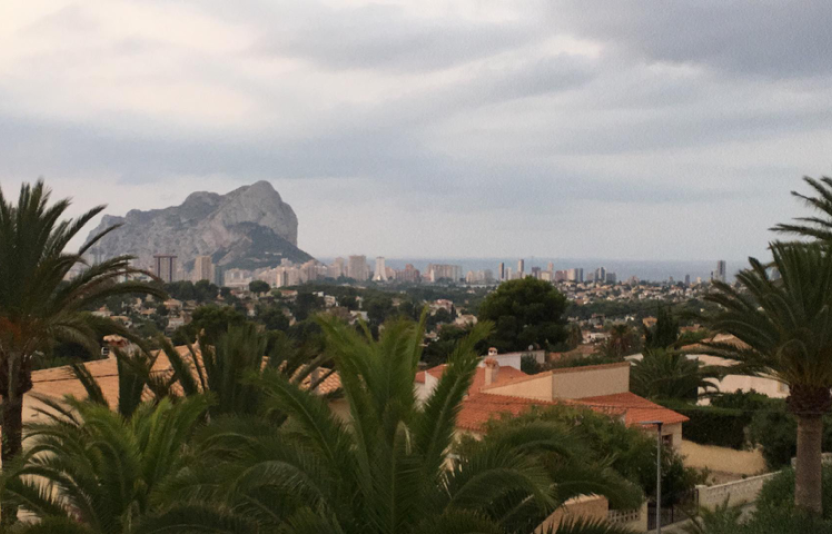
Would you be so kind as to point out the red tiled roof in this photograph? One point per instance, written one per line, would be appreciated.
(636, 409)
(330, 384)
(479, 408)
(58, 382)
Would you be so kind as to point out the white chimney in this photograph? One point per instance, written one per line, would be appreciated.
(492, 368)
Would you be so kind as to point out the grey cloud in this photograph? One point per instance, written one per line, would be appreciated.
(775, 39)
(383, 37)
(516, 129)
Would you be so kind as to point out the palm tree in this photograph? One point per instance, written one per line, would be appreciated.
(565, 459)
(89, 470)
(224, 370)
(621, 342)
(785, 330)
(669, 374)
(574, 335)
(37, 306)
(135, 377)
(386, 471)
(819, 228)
(665, 333)
(228, 368)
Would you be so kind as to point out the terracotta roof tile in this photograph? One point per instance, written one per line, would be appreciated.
(479, 408)
(330, 384)
(58, 382)
(637, 409)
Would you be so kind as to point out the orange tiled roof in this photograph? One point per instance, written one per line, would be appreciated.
(330, 384)
(58, 382)
(636, 409)
(479, 408)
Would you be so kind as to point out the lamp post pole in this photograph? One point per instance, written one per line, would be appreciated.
(658, 425)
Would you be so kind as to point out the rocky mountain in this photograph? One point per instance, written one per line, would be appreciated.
(248, 228)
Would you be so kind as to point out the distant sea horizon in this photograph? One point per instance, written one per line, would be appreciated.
(650, 270)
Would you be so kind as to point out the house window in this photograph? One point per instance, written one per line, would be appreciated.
(667, 439)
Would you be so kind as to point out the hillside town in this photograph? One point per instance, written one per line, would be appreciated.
(432, 267)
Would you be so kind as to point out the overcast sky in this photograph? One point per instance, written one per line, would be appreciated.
(587, 128)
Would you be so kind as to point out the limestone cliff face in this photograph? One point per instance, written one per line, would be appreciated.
(249, 227)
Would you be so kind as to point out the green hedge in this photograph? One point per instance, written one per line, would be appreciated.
(709, 425)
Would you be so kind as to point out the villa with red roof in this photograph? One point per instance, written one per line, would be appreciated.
(507, 391)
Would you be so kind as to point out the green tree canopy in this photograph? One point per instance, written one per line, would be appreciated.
(258, 287)
(273, 318)
(630, 452)
(212, 320)
(527, 312)
(205, 291)
(664, 333)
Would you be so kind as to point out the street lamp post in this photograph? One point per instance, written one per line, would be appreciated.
(658, 425)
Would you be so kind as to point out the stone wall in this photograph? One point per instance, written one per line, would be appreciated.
(635, 520)
(586, 507)
(739, 492)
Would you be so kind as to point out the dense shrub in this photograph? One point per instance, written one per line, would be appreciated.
(529, 365)
(774, 512)
(630, 451)
(745, 400)
(766, 421)
(711, 425)
(778, 492)
(763, 522)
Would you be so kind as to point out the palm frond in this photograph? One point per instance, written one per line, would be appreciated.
(195, 519)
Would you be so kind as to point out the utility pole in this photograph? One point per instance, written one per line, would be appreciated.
(658, 425)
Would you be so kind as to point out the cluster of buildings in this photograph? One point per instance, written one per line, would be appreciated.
(583, 284)
(353, 267)
(600, 275)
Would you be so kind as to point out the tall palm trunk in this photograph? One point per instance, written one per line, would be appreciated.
(12, 420)
(807, 483)
(15, 380)
(809, 403)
